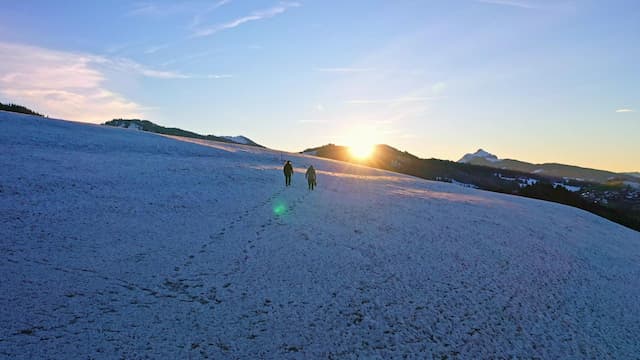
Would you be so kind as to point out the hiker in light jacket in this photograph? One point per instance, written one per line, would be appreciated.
(311, 177)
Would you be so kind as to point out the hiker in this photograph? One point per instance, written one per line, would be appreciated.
(288, 171)
(311, 177)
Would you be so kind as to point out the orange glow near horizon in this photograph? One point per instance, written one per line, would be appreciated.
(362, 140)
(361, 151)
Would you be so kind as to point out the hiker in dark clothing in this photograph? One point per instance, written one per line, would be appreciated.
(311, 177)
(288, 171)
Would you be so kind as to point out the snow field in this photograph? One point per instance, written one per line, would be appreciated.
(118, 243)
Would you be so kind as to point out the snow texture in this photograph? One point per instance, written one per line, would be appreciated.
(130, 125)
(123, 244)
(571, 188)
(479, 154)
(632, 184)
(464, 184)
(238, 139)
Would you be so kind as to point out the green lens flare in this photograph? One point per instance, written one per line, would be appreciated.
(279, 208)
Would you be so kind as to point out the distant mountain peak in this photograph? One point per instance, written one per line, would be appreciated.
(478, 154)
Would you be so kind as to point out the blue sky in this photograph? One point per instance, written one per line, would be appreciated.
(539, 81)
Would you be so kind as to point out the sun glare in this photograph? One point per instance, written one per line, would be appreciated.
(361, 151)
(361, 140)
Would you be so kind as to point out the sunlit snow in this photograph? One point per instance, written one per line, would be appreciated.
(126, 244)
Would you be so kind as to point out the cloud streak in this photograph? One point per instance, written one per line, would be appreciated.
(155, 49)
(218, 76)
(60, 84)
(132, 67)
(255, 16)
(72, 85)
(625, 111)
(197, 19)
(152, 9)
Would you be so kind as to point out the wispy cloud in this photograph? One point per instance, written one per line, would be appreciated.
(257, 15)
(197, 19)
(60, 84)
(219, 3)
(399, 100)
(128, 66)
(153, 9)
(116, 48)
(142, 9)
(190, 57)
(155, 49)
(131, 67)
(72, 85)
(625, 111)
(218, 76)
(512, 3)
(343, 70)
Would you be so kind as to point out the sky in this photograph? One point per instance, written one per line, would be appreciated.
(538, 81)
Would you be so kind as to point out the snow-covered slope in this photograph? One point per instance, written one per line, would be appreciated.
(126, 244)
(480, 154)
(239, 139)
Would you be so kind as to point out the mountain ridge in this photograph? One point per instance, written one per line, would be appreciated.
(551, 169)
(618, 201)
(146, 125)
(478, 154)
(18, 109)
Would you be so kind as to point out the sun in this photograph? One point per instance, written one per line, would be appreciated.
(361, 140)
(361, 151)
